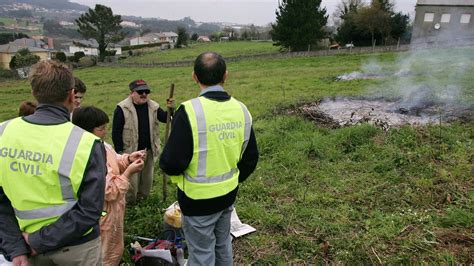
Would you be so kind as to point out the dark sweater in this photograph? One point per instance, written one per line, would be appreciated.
(178, 152)
(143, 126)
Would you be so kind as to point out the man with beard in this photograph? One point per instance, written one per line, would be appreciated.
(135, 127)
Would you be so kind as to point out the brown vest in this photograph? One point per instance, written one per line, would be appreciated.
(130, 128)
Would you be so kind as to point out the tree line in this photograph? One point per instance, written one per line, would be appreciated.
(302, 24)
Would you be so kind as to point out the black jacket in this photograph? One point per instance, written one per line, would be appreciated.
(68, 230)
(178, 152)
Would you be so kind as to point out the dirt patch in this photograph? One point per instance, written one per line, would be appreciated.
(342, 112)
(457, 242)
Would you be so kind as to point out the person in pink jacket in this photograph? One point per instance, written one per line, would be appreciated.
(119, 169)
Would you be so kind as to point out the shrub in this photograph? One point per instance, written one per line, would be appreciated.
(13, 63)
(24, 58)
(134, 47)
(7, 74)
(72, 59)
(23, 52)
(86, 61)
(110, 52)
(60, 56)
(79, 55)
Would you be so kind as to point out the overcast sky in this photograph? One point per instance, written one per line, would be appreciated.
(259, 12)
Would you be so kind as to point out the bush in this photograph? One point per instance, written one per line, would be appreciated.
(134, 47)
(23, 52)
(7, 74)
(110, 52)
(13, 63)
(61, 57)
(86, 61)
(24, 58)
(79, 55)
(72, 59)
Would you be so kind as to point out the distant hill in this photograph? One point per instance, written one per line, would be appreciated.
(48, 4)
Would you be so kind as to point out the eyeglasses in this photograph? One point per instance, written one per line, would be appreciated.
(143, 91)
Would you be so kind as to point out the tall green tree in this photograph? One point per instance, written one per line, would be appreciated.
(102, 25)
(385, 5)
(299, 24)
(400, 26)
(363, 24)
(374, 20)
(183, 37)
(346, 21)
(346, 8)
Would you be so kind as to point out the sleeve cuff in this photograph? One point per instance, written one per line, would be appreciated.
(35, 242)
(23, 250)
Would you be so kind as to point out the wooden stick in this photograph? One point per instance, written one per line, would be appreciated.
(167, 133)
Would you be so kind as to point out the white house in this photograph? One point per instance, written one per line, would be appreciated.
(203, 39)
(89, 47)
(146, 39)
(169, 36)
(162, 37)
(130, 24)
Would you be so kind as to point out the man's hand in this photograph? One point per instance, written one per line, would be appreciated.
(21, 260)
(170, 103)
(26, 237)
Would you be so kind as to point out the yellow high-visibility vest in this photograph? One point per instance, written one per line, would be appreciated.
(221, 131)
(41, 169)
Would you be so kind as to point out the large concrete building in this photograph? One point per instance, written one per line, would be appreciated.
(444, 22)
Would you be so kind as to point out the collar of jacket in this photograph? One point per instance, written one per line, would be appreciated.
(49, 114)
(129, 103)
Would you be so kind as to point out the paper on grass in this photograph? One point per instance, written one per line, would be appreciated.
(4, 262)
(237, 228)
(164, 254)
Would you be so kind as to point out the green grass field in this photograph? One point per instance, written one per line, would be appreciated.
(355, 195)
(226, 49)
(23, 23)
(7, 21)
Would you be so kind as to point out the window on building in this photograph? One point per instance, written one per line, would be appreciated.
(465, 19)
(445, 18)
(429, 17)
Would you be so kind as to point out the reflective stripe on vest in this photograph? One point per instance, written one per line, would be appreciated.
(202, 136)
(3, 126)
(64, 172)
(248, 126)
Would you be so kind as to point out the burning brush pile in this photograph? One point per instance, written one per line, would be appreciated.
(342, 112)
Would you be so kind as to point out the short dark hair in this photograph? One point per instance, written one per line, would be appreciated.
(79, 86)
(89, 117)
(210, 68)
(51, 82)
(27, 108)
